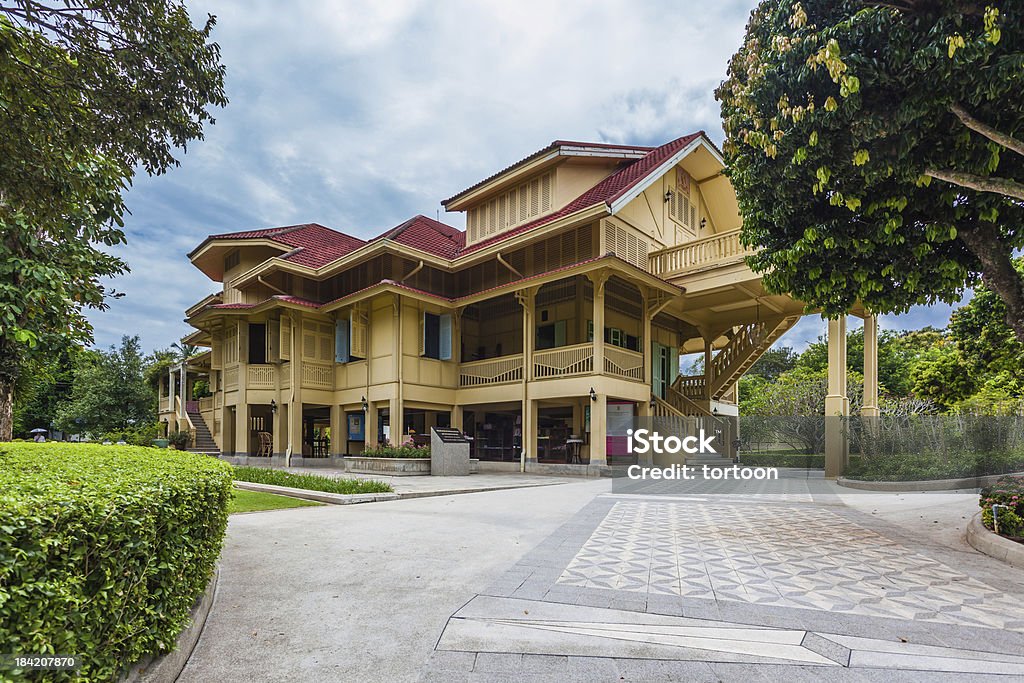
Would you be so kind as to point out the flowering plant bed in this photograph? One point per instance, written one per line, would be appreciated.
(1007, 495)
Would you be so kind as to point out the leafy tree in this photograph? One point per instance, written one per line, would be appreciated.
(897, 352)
(872, 149)
(42, 388)
(987, 343)
(941, 375)
(89, 91)
(794, 405)
(110, 391)
(774, 362)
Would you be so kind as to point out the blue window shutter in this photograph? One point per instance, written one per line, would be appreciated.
(446, 337)
(341, 341)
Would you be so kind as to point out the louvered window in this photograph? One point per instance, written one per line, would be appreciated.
(625, 244)
(523, 203)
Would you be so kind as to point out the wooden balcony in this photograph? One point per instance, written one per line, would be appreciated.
(623, 363)
(565, 361)
(708, 252)
(260, 377)
(491, 371)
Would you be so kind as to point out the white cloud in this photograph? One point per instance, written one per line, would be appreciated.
(359, 114)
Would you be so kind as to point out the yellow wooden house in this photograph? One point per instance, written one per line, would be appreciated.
(584, 271)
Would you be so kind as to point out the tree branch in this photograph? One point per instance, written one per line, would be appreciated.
(1000, 138)
(997, 271)
(1003, 186)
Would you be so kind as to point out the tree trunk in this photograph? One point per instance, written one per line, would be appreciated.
(998, 272)
(6, 408)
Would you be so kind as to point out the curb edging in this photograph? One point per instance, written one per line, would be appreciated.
(925, 485)
(992, 544)
(319, 496)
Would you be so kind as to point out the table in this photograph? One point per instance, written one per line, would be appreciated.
(572, 450)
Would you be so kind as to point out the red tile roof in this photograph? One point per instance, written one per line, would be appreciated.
(312, 244)
(426, 234)
(316, 246)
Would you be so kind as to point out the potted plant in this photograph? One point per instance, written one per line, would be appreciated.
(180, 440)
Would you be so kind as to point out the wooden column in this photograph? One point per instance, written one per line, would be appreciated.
(338, 435)
(837, 404)
(242, 429)
(646, 340)
(294, 449)
(599, 280)
(527, 299)
(397, 420)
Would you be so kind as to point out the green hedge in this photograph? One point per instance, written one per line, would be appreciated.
(782, 459)
(309, 482)
(929, 466)
(104, 549)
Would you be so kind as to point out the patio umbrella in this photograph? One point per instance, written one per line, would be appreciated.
(39, 430)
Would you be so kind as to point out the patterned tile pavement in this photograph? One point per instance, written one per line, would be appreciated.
(761, 554)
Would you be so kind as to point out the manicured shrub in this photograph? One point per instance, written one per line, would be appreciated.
(104, 549)
(782, 460)
(406, 450)
(140, 435)
(309, 482)
(1009, 493)
(925, 466)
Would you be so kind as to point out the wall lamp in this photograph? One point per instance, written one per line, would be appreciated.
(593, 394)
(714, 411)
(668, 196)
(654, 403)
(366, 406)
(703, 223)
(273, 406)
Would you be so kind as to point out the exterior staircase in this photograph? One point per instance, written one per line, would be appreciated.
(748, 343)
(202, 441)
(680, 422)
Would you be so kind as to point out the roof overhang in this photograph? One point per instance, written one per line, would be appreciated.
(209, 256)
(549, 156)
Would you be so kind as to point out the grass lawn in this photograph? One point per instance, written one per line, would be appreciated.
(310, 482)
(255, 501)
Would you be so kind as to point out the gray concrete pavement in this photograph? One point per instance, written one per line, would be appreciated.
(361, 592)
(577, 582)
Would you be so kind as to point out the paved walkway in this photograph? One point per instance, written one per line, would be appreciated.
(793, 581)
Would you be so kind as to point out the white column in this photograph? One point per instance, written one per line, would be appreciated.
(870, 408)
(837, 404)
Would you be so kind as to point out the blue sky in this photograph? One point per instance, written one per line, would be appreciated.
(358, 115)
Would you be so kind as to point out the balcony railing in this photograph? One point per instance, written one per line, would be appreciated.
(691, 386)
(317, 376)
(491, 371)
(206, 404)
(703, 253)
(563, 361)
(623, 363)
(260, 377)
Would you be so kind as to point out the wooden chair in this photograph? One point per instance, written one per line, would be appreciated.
(266, 444)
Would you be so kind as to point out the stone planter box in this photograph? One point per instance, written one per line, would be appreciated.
(391, 466)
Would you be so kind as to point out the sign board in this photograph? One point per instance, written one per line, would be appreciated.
(356, 427)
(449, 435)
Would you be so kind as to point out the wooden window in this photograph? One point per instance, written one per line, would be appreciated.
(436, 336)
